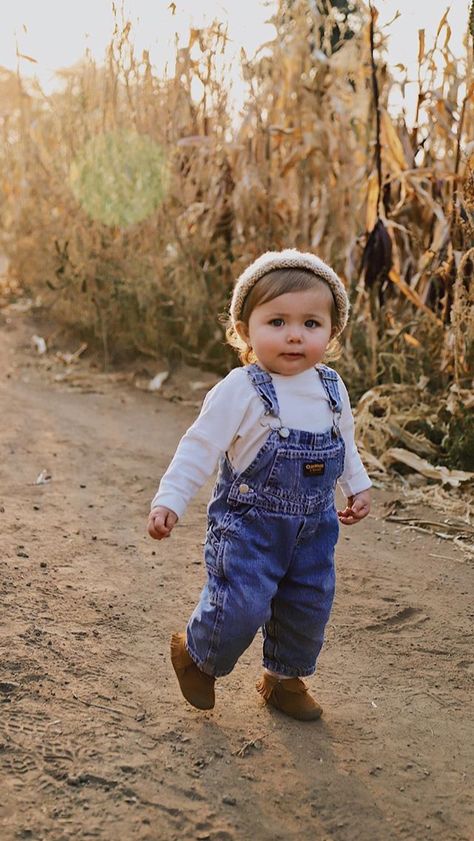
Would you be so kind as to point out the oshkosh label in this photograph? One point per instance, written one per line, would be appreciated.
(313, 468)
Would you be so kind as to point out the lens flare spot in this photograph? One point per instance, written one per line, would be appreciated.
(120, 177)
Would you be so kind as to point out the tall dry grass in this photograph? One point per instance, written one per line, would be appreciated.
(130, 202)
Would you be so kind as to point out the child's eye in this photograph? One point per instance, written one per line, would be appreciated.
(277, 322)
(311, 322)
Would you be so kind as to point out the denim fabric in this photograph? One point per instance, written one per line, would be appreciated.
(269, 549)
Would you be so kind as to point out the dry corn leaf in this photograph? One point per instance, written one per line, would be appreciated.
(295, 158)
(393, 149)
(194, 35)
(459, 397)
(370, 460)
(440, 235)
(442, 22)
(415, 443)
(372, 201)
(421, 45)
(319, 228)
(194, 140)
(27, 57)
(412, 295)
(439, 473)
(411, 340)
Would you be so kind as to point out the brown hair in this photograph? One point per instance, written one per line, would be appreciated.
(271, 285)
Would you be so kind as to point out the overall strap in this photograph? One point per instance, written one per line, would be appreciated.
(263, 385)
(329, 382)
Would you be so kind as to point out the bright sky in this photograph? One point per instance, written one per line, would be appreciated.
(57, 32)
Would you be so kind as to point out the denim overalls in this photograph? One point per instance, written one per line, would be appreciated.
(269, 548)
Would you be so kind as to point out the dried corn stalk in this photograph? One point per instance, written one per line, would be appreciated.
(297, 168)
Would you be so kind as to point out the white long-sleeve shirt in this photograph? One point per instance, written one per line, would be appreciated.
(232, 421)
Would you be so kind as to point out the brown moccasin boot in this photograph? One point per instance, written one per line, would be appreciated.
(196, 686)
(290, 696)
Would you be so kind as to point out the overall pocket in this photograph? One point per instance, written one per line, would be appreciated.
(213, 552)
(307, 472)
(227, 537)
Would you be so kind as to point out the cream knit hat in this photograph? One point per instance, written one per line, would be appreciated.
(290, 258)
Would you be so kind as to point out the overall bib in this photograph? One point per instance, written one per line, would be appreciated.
(269, 549)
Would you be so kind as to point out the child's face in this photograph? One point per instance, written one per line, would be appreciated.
(290, 334)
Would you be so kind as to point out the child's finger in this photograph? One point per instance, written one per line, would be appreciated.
(153, 532)
(347, 520)
(346, 513)
(350, 516)
(170, 520)
(157, 528)
(360, 510)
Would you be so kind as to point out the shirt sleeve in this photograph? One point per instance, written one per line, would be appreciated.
(205, 441)
(354, 478)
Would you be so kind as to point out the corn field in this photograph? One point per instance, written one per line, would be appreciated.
(131, 201)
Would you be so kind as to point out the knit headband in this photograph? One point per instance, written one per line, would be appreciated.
(290, 258)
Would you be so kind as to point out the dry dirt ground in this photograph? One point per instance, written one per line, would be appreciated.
(95, 739)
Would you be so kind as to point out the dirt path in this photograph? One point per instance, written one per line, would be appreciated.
(95, 740)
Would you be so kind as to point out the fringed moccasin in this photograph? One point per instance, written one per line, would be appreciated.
(290, 696)
(196, 686)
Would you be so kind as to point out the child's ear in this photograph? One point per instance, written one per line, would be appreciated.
(242, 330)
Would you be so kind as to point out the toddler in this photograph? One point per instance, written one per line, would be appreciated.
(281, 430)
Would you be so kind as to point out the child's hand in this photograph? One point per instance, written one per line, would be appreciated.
(161, 522)
(358, 506)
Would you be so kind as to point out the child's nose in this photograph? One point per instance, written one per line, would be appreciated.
(294, 334)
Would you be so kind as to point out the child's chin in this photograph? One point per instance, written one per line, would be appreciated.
(289, 366)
